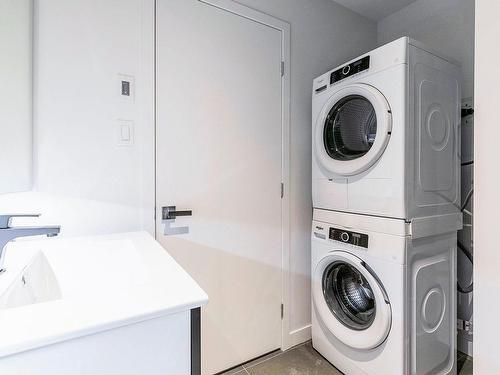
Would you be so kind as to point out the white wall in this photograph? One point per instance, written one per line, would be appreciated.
(323, 35)
(16, 95)
(446, 26)
(487, 185)
(84, 180)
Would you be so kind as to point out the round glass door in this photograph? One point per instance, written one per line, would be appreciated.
(349, 296)
(350, 301)
(350, 128)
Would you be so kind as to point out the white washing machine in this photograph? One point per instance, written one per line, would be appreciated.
(383, 293)
(385, 134)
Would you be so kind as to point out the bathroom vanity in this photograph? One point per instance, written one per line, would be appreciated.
(115, 304)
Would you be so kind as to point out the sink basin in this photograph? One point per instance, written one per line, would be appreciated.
(113, 304)
(35, 283)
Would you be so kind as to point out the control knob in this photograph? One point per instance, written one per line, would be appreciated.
(344, 236)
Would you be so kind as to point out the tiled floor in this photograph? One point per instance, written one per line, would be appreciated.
(304, 360)
(464, 363)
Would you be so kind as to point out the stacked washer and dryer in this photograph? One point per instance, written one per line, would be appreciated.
(386, 197)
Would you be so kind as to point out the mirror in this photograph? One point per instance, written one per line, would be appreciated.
(16, 95)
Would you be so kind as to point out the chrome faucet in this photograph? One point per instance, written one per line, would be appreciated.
(8, 233)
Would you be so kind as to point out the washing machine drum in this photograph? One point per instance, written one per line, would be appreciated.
(352, 130)
(349, 295)
(350, 301)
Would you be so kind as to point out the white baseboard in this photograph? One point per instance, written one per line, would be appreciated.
(297, 336)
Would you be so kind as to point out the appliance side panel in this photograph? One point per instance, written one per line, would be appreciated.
(434, 146)
(432, 307)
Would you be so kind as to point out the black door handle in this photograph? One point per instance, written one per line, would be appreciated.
(170, 213)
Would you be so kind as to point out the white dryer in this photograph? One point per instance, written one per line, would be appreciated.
(385, 134)
(383, 293)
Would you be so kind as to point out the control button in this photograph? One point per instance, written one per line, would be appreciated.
(346, 69)
(344, 236)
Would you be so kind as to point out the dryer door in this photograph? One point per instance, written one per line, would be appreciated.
(352, 130)
(350, 301)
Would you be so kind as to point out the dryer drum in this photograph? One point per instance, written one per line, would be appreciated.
(349, 296)
(350, 128)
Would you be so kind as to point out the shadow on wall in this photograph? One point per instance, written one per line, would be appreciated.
(244, 312)
(77, 216)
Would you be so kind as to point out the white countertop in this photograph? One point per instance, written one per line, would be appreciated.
(106, 282)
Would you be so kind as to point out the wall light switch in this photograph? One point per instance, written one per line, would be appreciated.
(125, 132)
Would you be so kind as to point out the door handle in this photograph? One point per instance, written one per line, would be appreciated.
(170, 213)
(168, 216)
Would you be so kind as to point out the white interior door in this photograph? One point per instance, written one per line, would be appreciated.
(219, 154)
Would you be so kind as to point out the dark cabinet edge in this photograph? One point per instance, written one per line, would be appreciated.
(196, 341)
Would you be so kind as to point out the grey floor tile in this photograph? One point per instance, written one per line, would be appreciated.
(262, 359)
(464, 365)
(302, 360)
(237, 370)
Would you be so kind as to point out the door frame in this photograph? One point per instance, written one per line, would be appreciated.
(284, 28)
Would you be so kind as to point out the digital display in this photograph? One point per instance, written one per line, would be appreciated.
(345, 236)
(350, 69)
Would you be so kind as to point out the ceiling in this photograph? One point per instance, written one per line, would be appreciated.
(375, 9)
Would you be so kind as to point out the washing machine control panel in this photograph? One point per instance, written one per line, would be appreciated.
(350, 69)
(353, 238)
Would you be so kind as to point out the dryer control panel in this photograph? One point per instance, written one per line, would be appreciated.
(353, 238)
(350, 69)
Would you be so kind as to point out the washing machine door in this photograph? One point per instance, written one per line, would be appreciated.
(352, 130)
(350, 301)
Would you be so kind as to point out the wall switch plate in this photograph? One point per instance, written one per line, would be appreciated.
(125, 132)
(126, 87)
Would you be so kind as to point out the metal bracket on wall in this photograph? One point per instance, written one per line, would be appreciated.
(168, 215)
(465, 325)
